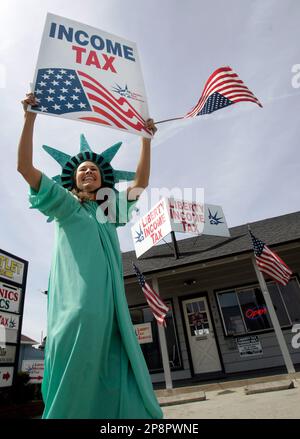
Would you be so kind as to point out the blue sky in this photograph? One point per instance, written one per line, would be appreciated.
(245, 158)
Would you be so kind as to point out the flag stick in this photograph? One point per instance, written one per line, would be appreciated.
(274, 319)
(273, 316)
(163, 344)
(168, 120)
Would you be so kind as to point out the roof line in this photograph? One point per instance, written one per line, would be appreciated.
(133, 275)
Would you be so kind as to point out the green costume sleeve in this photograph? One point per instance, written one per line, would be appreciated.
(53, 200)
(125, 208)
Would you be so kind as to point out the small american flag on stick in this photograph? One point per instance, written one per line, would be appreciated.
(223, 88)
(269, 262)
(157, 306)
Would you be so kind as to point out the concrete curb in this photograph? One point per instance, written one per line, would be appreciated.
(227, 385)
(183, 398)
(272, 386)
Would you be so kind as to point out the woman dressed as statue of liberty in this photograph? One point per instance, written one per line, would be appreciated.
(94, 367)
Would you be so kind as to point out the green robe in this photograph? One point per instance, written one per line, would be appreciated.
(94, 367)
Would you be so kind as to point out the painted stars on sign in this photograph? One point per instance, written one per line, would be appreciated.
(66, 92)
(59, 91)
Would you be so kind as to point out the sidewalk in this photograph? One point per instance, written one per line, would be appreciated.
(228, 399)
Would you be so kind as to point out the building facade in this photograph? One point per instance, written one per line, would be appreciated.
(28, 351)
(218, 323)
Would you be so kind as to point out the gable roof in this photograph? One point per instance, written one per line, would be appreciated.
(273, 231)
(27, 340)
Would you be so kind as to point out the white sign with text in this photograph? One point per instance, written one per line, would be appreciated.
(35, 369)
(171, 214)
(7, 354)
(6, 376)
(144, 333)
(10, 298)
(11, 269)
(86, 74)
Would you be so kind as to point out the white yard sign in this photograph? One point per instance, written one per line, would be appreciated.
(89, 75)
(170, 214)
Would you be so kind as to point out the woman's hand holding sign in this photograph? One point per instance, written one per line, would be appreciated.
(29, 100)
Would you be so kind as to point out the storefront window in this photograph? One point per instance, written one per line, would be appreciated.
(279, 305)
(291, 296)
(254, 309)
(151, 350)
(244, 309)
(231, 312)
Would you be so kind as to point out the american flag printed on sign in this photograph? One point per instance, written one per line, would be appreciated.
(157, 306)
(223, 88)
(63, 91)
(269, 262)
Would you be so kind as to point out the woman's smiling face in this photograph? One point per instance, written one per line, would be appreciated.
(88, 177)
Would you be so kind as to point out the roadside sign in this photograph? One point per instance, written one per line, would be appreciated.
(10, 268)
(7, 354)
(13, 276)
(6, 376)
(176, 215)
(10, 297)
(35, 368)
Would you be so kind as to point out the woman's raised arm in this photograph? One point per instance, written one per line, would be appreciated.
(25, 164)
(143, 169)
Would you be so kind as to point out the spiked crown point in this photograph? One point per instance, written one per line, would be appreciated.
(84, 146)
(59, 156)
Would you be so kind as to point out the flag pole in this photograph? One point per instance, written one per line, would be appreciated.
(274, 319)
(175, 245)
(163, 344)
(168, 120)
(278, 332)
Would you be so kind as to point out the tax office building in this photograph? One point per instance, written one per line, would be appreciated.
(218, 324)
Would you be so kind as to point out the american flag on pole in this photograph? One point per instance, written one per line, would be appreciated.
(64, 91)
(269, 262)
(157, 306)
(223, 88)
